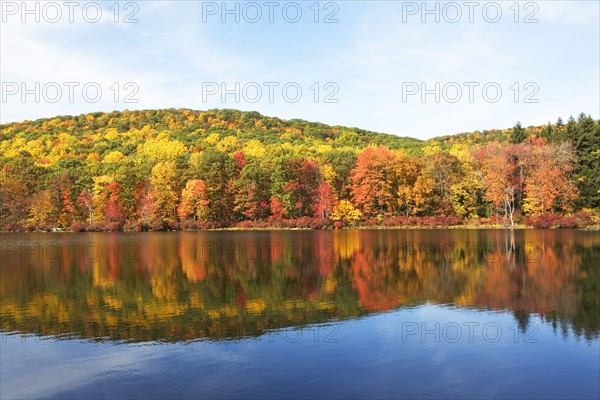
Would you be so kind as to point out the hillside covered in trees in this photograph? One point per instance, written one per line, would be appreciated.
(185, 169)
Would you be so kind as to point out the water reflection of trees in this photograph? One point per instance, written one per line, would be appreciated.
(182, 286)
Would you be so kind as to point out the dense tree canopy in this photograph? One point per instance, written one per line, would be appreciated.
(180, 169)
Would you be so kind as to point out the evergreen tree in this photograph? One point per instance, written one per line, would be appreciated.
(559, 130)
(585, 137)
(518, 135)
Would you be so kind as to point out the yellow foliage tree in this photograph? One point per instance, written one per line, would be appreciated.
(100, 196)
(193, 201)
(254, 148)
(113, 157)
(42, 207)
(227, 144)
(163, 179)
(465, 194)
(163, 149)
(346, 212)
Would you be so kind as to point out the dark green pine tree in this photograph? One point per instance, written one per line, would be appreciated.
(585, 137)
(518, 134)
(559, 130)
(571, 132)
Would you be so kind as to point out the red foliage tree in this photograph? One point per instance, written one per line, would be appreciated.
(277, 210)
(374, 181)
(325, 201)
(113, 210)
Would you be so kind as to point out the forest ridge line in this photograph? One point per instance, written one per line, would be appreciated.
(186, 169)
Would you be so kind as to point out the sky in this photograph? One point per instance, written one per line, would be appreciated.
(407, 68)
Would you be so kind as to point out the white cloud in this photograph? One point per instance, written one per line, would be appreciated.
(368, 54)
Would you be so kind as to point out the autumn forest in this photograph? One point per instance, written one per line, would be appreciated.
(184, 169)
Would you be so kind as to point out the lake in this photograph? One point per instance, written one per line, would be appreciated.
(281, 314)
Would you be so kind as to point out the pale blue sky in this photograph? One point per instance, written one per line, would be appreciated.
(178, 51)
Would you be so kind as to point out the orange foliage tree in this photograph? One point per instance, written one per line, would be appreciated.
(549, 185)
(375, 181)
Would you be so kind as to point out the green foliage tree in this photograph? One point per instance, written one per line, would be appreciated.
(518, 134)
(216, 170)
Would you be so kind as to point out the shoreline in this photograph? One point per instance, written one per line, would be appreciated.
(593, 228)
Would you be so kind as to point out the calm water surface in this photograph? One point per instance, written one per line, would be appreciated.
(279, 314)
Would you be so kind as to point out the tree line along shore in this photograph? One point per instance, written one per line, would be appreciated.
(226, 169)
